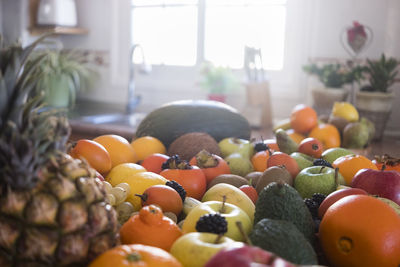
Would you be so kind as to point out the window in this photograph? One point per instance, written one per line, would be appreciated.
(187, 32)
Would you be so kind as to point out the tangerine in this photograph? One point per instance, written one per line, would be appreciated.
(94, 153)
(136, 255)
(118, 147)
(327, 134)
(349, 165)
(146, 145)
(360, 230)
(282, 159)
(259, 160)
(297, 137)
(303, 118)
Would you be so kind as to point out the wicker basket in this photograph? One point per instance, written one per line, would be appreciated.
(379, 118)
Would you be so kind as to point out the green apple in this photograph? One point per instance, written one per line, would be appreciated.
(303, 160)
(230, 212)
(233, 196)
(232, 145)
(195, 249)
(331, 154)
(239, 164)
(316, 179)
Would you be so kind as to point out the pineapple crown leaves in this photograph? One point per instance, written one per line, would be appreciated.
(29, 134)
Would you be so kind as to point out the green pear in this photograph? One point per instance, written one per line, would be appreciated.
(331, 154)
(303, 160)
(239, 164)
(285, 142)
(371, 128)
(355, 135)
(232, 145)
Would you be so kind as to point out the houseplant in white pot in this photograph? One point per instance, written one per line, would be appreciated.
(374, 99)
(334, 77)
(218, 81)
(61, 75)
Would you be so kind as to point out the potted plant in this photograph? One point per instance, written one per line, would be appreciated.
(374, 99)
(334, 77)
(217, 81)
(61, 75)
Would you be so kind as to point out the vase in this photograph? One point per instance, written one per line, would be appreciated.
(375, 106)
(323, 98)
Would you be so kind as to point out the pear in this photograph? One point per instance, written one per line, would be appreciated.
(239, 164)
(285, 142)
(355, 135)
(371, 128)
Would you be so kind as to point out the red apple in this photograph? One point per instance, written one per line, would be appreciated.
(335, 196)
(250, 191)
(246, 256)
(377, 182)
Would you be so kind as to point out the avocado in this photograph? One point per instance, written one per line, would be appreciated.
(280, 201)
(285, 240)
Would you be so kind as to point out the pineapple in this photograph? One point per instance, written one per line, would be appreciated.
(53, 209)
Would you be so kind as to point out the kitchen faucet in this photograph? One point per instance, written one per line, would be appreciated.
(133, 99)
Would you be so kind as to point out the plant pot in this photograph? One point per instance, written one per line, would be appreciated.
(217, 97)
(323, 98)
(59, 93)
(375, 106)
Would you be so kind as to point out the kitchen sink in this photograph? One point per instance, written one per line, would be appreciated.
(113, 119)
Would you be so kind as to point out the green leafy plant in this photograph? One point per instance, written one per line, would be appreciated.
(218, 80)
(381, 74)
(334, 75)
(61, 75)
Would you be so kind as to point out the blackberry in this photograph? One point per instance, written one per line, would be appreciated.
(317, 222)
(322, 162)
(212, 223)
(318, 198)
(312, 207)
(178, 188)
(260, 146)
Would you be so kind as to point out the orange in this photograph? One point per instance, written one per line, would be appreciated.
(349, 165)
(360, 230)
(327, 134)
(118, 147)
(259, 160)
(297, 137)
(303, 118)
(150, 227)
(146, 145)
(136, 255)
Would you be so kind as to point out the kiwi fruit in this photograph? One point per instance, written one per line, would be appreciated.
(189, 144)
(231, 179)
(253, 177)
(274, 174)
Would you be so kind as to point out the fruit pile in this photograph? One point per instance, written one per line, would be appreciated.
(278, 201)
(188, 194)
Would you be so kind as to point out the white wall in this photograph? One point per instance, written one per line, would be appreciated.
(1, 17)
(313, 30)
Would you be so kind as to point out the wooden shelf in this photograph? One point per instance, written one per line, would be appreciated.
(35, 29)
(39, 30)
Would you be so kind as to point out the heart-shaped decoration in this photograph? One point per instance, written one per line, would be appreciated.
(355, 39)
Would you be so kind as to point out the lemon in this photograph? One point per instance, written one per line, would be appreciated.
(345, 110)
(123, 171)
(137, 178)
